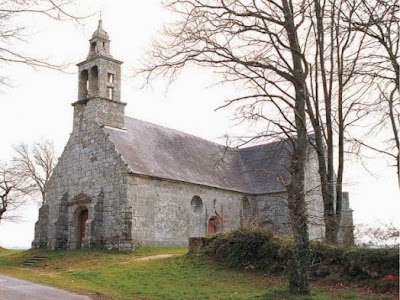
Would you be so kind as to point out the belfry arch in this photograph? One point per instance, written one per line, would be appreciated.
(84, 84)
(94, 82)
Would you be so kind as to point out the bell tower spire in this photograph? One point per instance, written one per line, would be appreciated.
(100, 42)
(100, 79)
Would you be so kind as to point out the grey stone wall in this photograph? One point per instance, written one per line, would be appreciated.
(273, 213)
(103, 111)
(346, 231)
(315, 205)
(41, 238)
(272, 209)
(163, 214)
(89, 175)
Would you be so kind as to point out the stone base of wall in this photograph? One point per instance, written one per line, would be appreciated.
(196, 244)
(41, 230)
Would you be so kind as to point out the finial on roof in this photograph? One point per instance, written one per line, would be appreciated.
(100, 32)
(100, 20)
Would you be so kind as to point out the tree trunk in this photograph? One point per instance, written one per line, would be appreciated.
(298, 277)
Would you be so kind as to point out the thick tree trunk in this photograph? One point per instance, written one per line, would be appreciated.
(298, 278)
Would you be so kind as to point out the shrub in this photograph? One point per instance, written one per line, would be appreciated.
(363, 263)
(239, 248)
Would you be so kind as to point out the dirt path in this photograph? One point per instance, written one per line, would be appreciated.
(152, 257)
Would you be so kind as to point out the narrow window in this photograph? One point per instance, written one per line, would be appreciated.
(93, 47)
(110, 93)
(110, 78)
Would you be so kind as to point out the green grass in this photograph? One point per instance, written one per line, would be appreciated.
(123, 276)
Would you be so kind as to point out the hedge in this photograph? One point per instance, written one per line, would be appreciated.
(262, 250)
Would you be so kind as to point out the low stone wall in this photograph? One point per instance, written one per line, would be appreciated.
(196, 244)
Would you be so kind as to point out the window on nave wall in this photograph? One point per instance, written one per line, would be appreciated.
(196, 204)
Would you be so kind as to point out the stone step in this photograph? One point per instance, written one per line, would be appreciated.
(34, 260)
(38, 258)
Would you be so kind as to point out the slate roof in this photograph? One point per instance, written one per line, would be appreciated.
(161, 152)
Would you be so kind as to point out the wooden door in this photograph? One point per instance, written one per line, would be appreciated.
(83, 217)
(213, 225)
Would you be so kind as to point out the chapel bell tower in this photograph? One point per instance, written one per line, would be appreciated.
(100, 83)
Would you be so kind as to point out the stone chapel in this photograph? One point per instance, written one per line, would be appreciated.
(122, 183)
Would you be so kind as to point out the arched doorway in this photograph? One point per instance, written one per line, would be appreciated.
(214, 225)
(82, 219)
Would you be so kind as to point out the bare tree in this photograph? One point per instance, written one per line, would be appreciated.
(12, 32)
(383, 235)
(34, 165)
(12, 189)
(379, 21)
(290, 57)
(256, 44)
(334, 56)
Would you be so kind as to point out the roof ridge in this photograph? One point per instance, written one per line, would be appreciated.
(185, 133)
(261, 145)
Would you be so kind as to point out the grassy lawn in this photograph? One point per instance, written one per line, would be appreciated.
(110, 275)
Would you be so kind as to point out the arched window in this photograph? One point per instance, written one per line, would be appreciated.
(94, 82)
(197, 205)
(84, 84)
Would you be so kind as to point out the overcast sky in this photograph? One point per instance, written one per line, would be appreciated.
(39, 103)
